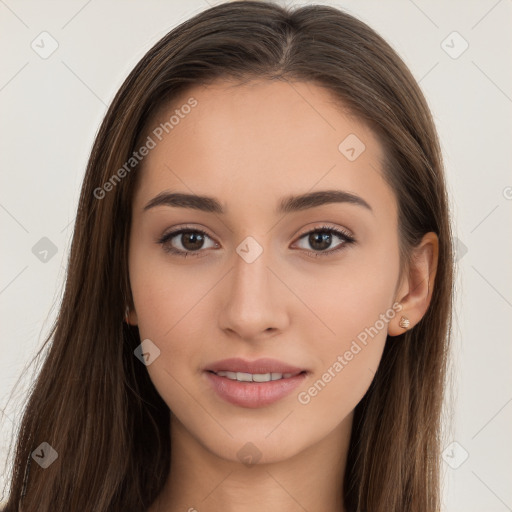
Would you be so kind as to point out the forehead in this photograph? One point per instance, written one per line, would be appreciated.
(260, 141)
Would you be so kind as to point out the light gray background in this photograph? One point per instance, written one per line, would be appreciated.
(51, 110)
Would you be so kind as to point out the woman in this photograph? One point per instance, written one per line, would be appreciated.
(258, 301)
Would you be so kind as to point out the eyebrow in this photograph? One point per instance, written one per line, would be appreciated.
(287, 205)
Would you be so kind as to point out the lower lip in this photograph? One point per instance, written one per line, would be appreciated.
(253, 394)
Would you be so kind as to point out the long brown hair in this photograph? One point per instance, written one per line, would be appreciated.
(93, 401)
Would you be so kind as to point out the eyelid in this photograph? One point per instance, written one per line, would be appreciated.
(324, 226)
(340, 232)
(347, 240)
(327, 227)
(175, 230)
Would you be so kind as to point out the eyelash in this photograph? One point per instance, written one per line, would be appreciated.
(347, 240)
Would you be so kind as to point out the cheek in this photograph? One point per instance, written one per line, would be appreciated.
(165, 294)
(172, 308)
(170, 312)
(346, 298)
(348, 360)
(355, 306)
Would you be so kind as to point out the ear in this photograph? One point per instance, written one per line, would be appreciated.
(415, 291)
(131, 316)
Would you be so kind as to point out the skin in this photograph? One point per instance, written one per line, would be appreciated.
(249, 146)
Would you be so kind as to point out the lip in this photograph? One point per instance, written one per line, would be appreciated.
(253, 394)
(263, 365)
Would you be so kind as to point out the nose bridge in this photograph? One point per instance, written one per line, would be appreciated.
(250, 272)
(251, 306)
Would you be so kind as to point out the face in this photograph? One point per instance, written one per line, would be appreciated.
(312, 286)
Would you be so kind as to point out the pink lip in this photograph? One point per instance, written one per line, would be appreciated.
(253, 394)
(264, 365)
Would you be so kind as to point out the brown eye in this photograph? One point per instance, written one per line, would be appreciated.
(321, 239)
(187, 241)
(192, 240)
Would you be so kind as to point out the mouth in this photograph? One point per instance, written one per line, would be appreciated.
(260, 370)
(255, 383)
(256, 377)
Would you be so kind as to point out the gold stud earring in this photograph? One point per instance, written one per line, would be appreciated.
(404, 322)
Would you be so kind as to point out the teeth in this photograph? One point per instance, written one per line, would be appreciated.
(244, 377)
(262, 377)
(254, 377)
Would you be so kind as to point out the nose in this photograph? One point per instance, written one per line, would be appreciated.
(254, 300)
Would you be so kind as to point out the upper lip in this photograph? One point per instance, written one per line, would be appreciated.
(261, 366)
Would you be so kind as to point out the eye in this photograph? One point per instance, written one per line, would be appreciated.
(321, 239)
(190, 240)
